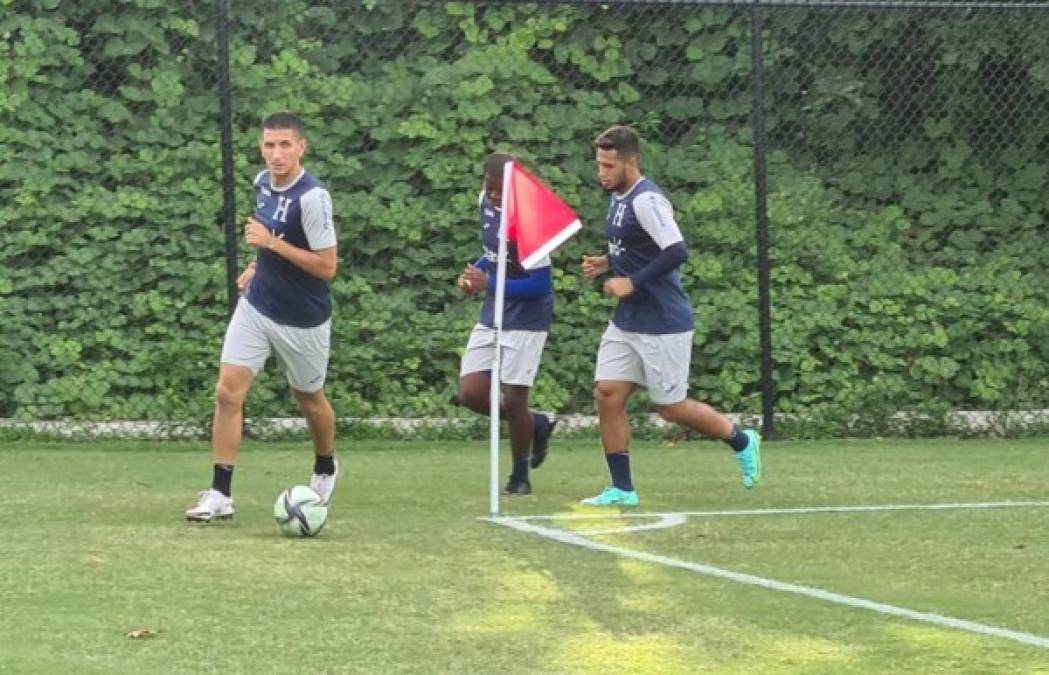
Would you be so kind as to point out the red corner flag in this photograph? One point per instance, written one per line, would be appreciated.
(538, 221)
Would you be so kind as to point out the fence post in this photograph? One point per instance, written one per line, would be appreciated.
(757, 61)
(229, 213)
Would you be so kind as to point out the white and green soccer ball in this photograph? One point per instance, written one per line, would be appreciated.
(300, 511)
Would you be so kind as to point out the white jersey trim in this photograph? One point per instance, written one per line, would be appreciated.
(269, 182)
(624, 195)
(285, 188)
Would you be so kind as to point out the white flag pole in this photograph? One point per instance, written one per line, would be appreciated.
(497, 323)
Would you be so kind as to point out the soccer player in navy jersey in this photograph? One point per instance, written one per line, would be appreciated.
(285, 310)
(527, 313)
(649, 339)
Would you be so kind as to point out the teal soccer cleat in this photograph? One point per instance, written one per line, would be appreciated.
(613, 496)
(749, 459)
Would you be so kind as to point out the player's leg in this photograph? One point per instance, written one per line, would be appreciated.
(475, 370)
(542, 430)
(303, 354)
(231, 391)
(667, 359)
(228, 422)
(530, 431)
(475, 391)
(700, 417)
(320, 418)
(244, 352)
(610, 399)
(697, 416)
(617, 373)
(519, 420)
(475, 394)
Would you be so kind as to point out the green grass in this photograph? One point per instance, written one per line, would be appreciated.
(407, 579)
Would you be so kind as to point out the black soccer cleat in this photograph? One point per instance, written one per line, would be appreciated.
(516, 487)
(544, 428)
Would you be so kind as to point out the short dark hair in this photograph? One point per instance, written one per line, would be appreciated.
(493, 164)
(622, 139)
(284, 120)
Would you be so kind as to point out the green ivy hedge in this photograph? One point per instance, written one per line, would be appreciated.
(907, 194)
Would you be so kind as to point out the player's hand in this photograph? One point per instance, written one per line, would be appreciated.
(256, 234)
(594, 266)
(245, 278)
(619, 287)
(473, 280)
(461, 282)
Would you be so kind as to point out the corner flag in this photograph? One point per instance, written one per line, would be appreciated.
(538, 221)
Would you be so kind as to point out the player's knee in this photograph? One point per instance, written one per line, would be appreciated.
(472, 397)
(515, 398)
(227, 397)
(608, 395)
(313, 405)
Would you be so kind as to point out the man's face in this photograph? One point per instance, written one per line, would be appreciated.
(612, 170)
(493, 189)
(282, 150)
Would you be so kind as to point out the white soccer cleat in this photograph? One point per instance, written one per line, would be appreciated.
(324, 485)
(212, 505)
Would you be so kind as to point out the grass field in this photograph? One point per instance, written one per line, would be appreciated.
(408, 577)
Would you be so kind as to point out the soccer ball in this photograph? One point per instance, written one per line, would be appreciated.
(300, 512)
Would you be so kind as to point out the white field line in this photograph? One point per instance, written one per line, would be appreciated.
(665, 520)
(670, 519)
(786, 511)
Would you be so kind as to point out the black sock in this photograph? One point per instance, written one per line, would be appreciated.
(520, 472)
(221, 477)
(324, 464)
(737, 440)
(619, 469)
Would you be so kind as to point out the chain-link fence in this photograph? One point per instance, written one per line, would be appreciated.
(111, 282)
(861, 185)
(907, 166)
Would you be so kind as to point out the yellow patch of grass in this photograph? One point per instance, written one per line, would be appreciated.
(603, 652)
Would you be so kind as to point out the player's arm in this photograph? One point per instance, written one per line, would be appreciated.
(321, 264)
(536, 283)
(245, 277)
(656, 216)
(321, 259)
(472, 279)
(249, 271)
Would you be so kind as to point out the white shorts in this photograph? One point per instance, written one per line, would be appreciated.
(658, 362)
(301, 352)
(519, 357)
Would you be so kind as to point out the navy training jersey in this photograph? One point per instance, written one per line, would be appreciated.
(639, 226)
(301, 215)
(518, 314)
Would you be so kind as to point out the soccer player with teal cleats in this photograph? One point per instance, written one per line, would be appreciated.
(749, 459)
(648, 342)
